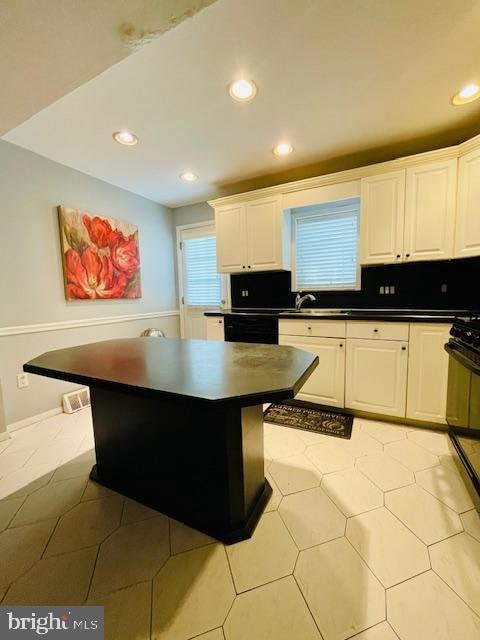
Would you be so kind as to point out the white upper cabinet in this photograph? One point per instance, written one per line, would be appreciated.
(230, 232)
(430, 197)
(467, 231)
(253, 236)
(264, 222)
(381, 218)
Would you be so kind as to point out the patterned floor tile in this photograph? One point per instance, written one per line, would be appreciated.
(57, 580)
(312, 517)
(275, 611)
(425, 608)
(437, 442)
(268, 555)
(427, 517)
(127, 612)
(471, 523)
(391, 551)
(192, 594)
(447, 486)
(457, 562)
(134, 553)
(384, 471)
(295, 473)
(342, 593)
(352, 492)
(411, 455)
(329, 458)
(21, 548)
(86, 525)
(184, 538)
(52, 500)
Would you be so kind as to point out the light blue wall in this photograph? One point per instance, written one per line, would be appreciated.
(31, 280)
(199, 212)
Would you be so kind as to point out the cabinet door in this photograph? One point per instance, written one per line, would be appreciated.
(215, 328)
(427, 372)
(430, 211)
(467, 228)
(376, 378)
(231, 239)
(326, 384)
(264, 235)
(381, 218)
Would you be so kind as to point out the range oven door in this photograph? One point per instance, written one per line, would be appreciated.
(463, 413)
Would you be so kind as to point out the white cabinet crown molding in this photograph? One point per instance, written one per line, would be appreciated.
(352, 174)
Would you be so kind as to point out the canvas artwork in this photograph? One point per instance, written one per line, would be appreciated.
(101, 256)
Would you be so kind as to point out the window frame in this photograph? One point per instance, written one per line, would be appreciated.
(296, 213)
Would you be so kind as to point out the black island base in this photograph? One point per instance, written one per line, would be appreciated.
(178, 424)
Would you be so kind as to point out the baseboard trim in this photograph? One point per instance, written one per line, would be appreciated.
(87, 322)
(26, 422)
(4, 436)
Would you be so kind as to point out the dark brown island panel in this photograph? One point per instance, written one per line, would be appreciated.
(178, 424)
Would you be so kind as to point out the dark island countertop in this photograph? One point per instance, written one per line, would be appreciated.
(375, 315)
(183, 370)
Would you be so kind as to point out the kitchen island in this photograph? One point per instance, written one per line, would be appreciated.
(178, 424)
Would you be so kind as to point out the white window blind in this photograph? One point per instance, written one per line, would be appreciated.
(326, 245)
(203, 285)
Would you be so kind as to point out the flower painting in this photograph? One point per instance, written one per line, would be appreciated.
(100, 256)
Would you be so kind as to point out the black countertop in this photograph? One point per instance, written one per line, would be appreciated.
(390, 315)
(184, 370)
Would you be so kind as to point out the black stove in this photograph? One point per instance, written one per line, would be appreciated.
(463, 399)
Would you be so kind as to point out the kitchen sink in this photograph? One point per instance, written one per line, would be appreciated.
(317, 312)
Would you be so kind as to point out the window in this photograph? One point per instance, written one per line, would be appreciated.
(325, 245)
(203, 285)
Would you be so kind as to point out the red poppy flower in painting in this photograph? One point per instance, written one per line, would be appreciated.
(100, 257)
(124, 252)
(98, 229)
(92, 276)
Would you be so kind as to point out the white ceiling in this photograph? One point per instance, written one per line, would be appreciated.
(50, 47)
(335, 77)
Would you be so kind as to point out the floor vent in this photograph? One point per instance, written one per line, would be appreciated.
(76, 400)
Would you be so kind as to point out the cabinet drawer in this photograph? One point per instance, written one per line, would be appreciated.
(378, 330)
(318, 328)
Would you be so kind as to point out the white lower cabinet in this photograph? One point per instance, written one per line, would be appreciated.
(376, 376)
(215, 328)
(327, 383)
(427, 372)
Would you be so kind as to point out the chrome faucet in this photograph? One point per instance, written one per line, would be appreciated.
(299, 300)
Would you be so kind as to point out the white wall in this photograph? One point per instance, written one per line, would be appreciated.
(31, 280)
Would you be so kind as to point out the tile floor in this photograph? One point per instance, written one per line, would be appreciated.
(374, 538)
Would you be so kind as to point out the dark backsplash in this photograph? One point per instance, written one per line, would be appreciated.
(442, 284)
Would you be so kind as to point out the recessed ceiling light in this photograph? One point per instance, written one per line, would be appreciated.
(242, 90)
(282, 149)
(125, 137)
(469, 93)
(188, 176)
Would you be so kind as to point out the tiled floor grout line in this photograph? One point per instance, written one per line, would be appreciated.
(457, 594)
(307, 605)
(151, 609)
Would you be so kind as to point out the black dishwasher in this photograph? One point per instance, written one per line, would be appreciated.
(251, 328)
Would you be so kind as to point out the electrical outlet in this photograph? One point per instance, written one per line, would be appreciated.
(22, 380)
